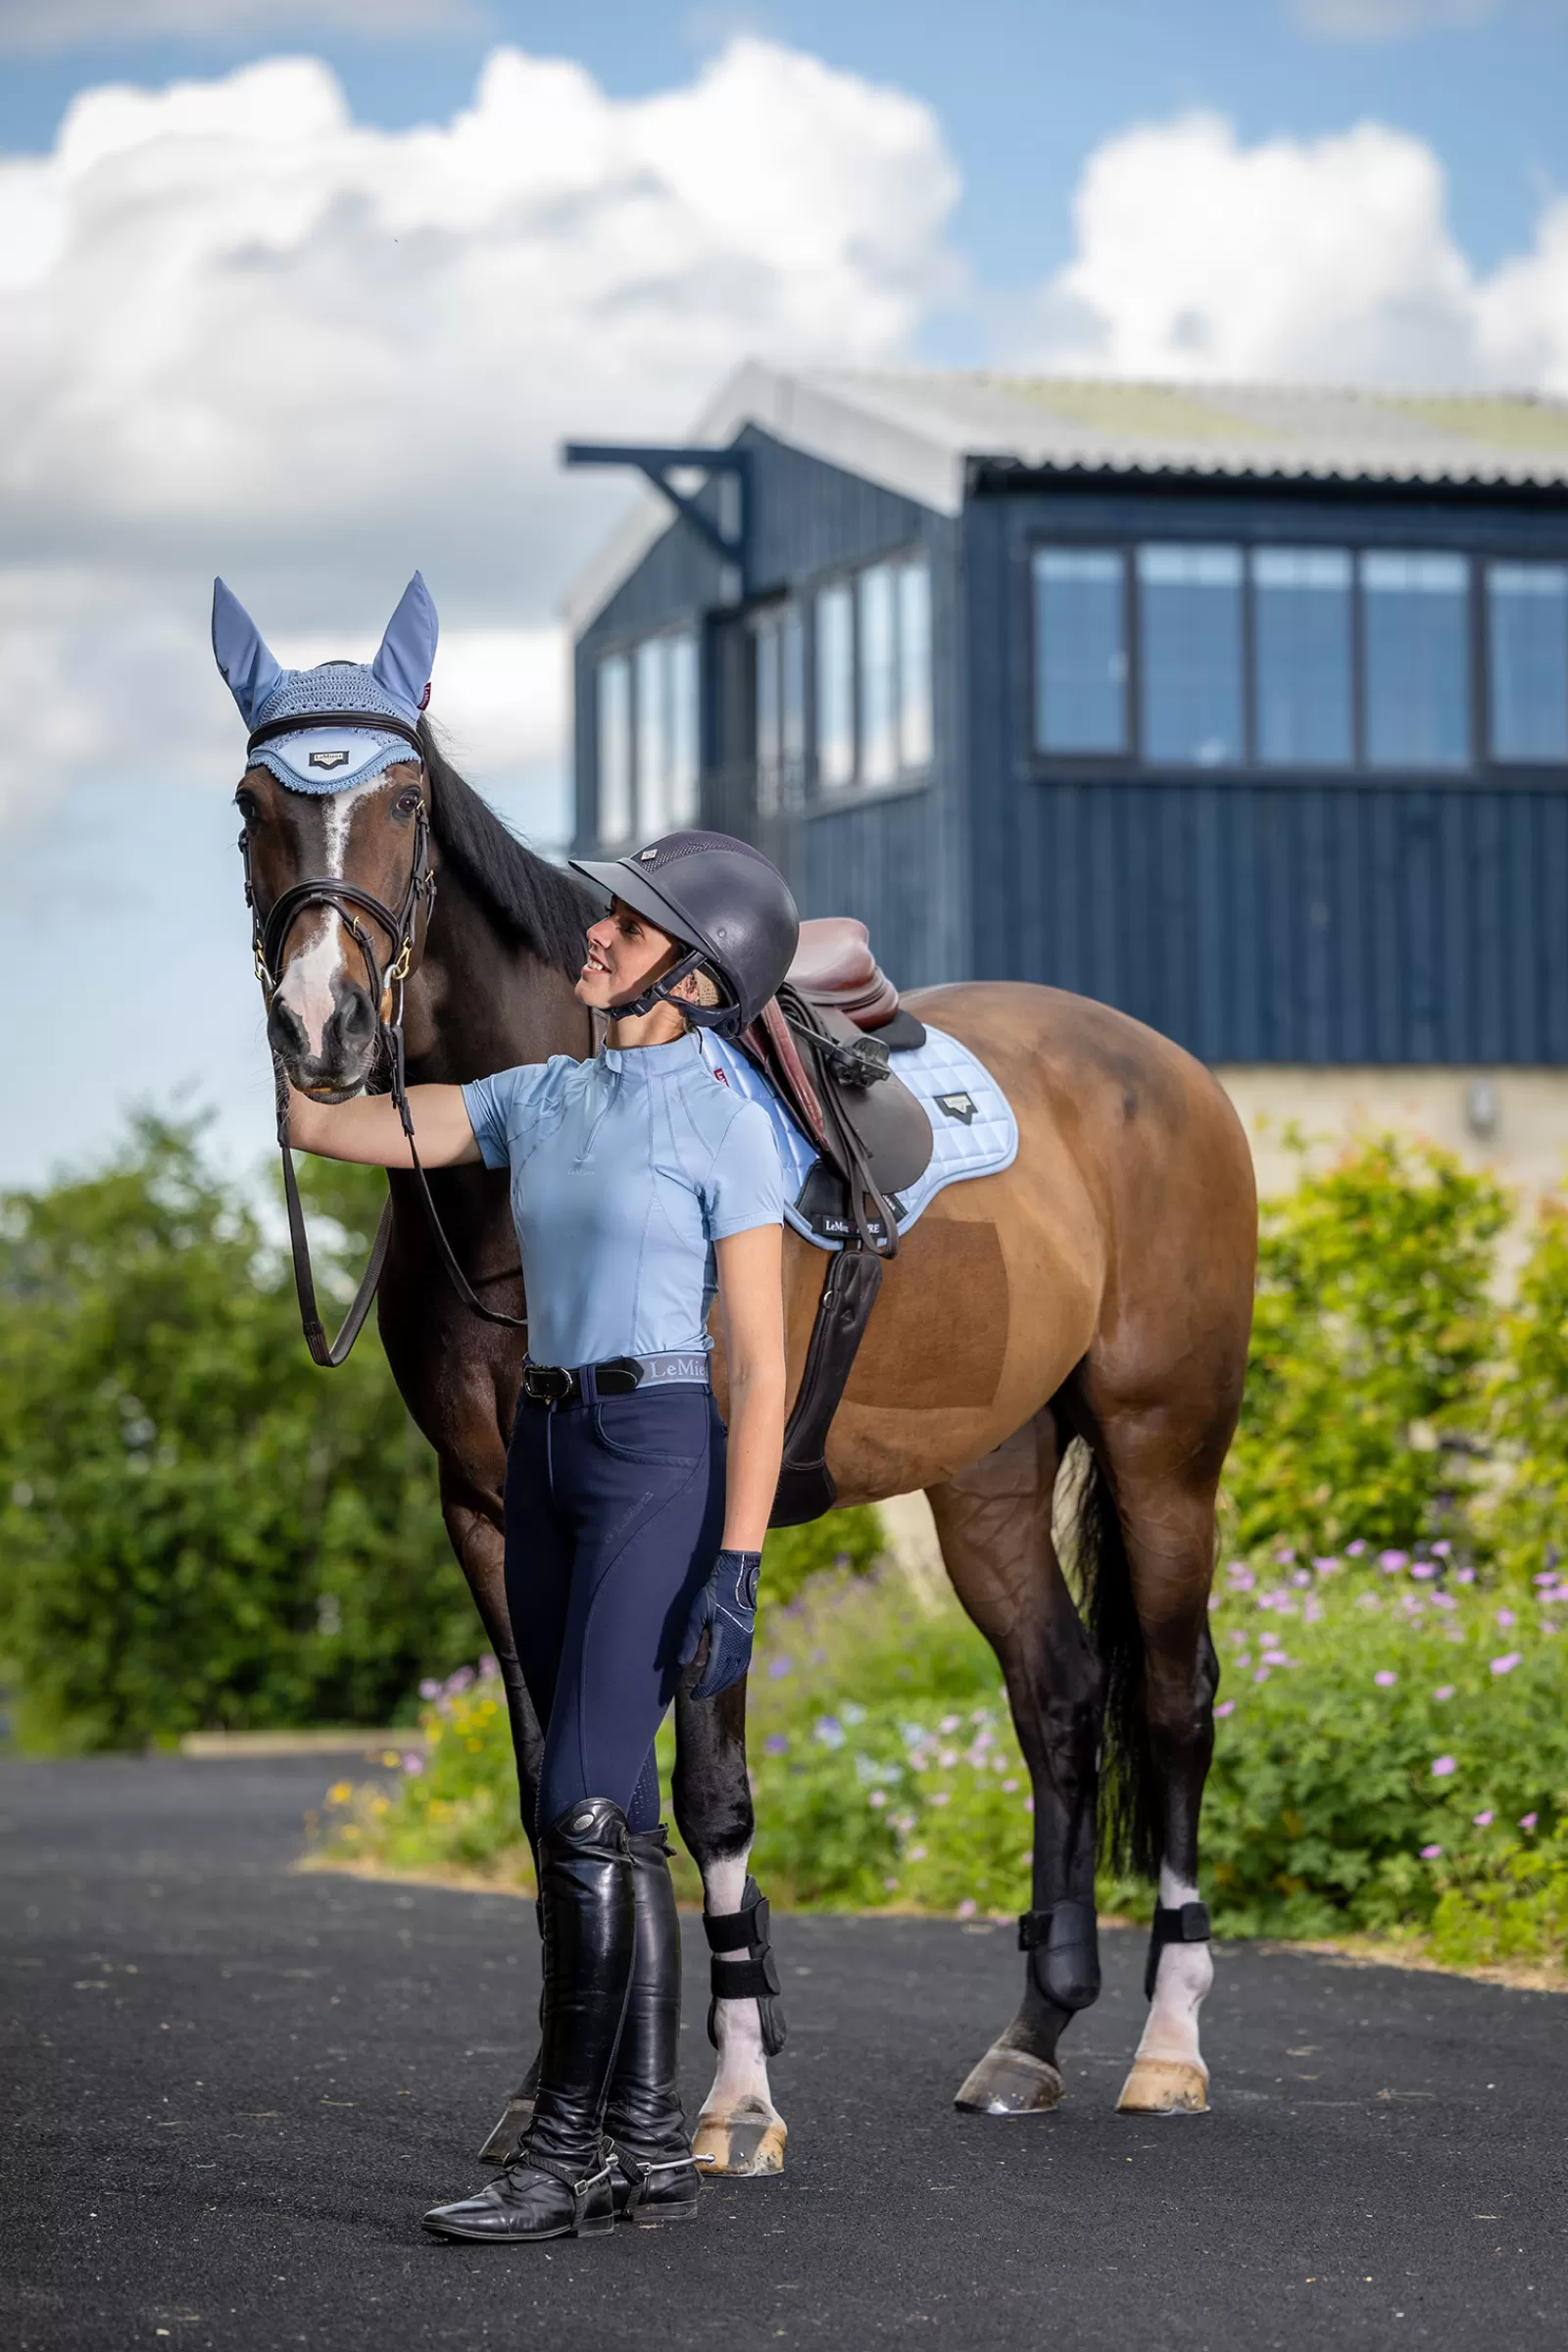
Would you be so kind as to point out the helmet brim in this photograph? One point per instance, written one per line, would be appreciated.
(619, 879)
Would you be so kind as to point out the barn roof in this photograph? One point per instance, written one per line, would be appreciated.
(918, 431)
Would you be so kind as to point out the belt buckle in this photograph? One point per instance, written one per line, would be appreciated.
(557, 1393)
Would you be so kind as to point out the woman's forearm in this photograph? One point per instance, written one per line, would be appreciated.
(368, 1130)
(755, 1450)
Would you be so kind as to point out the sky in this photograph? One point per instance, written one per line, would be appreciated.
(309, 296)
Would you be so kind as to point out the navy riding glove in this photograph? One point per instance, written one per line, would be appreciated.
(726, 1610)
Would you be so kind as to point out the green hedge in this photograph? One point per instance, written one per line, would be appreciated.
(197, 1528)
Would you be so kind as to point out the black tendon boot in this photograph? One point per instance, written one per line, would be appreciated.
(656, 2180)
(559, 2183)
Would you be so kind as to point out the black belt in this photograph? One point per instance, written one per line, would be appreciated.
(553, 1383)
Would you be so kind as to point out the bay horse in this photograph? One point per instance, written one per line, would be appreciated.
(1097, 1289)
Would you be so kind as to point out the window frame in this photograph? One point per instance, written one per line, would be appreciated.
(1132, 764)
(629, 648)
(856, 792)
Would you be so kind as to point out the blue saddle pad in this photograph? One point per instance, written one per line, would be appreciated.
(972, 1127)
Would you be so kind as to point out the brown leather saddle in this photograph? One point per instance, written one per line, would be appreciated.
(824, 1042)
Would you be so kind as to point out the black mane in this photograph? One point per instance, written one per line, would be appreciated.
(530, 898)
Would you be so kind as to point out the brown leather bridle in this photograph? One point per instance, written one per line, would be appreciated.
(268, 939)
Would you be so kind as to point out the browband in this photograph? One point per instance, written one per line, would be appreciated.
(376, 719)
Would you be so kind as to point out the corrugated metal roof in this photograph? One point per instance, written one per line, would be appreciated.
(915, 432)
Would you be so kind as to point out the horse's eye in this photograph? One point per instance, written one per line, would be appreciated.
(407, 802)
(249, 808)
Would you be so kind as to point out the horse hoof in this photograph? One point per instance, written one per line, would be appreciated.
(742, 2145)
(1011, 2082)
(1164, 2087)
(507, 2137)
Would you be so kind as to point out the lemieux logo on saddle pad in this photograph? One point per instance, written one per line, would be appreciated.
(329, 758)
(959, 1106)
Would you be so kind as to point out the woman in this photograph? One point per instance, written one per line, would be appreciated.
(632, 1527)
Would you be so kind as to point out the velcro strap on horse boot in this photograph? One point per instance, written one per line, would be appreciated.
(1183, 1923)
(1063, 1948)
(755, 1977)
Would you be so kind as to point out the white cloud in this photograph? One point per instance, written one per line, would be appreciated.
(1388, 19)
(241, 332)
(41, 26)
(1322, 260)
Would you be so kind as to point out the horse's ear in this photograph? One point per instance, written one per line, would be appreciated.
(248, 667)
(407, 649)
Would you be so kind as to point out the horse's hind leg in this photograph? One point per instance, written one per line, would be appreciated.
(994, 1522)
(1157, 1560)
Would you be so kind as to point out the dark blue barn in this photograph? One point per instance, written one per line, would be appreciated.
(1243, 709)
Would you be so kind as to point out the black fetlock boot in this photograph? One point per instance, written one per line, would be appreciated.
(559, 2183)
(656, 2180)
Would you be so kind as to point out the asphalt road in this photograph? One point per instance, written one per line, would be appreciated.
(233, 2090)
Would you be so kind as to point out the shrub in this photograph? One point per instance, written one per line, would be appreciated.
(1372, 1328)
(1529, 1512)
(197, 1528)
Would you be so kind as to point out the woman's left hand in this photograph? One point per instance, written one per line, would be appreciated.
(727, 1611)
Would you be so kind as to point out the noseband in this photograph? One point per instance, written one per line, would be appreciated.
(267, 942)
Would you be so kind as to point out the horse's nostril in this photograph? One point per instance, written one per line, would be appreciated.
(286, 1031)
(351, 1027)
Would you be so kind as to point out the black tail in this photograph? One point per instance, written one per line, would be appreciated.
(1131, 1814)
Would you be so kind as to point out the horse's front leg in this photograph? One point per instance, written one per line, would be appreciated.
(474, 1526)
(739, 2132)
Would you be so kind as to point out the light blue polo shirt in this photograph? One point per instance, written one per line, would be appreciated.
(625, 1171)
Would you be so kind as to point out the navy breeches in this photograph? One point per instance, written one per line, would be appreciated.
(615, 1506)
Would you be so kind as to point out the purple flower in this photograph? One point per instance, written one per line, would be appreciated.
(1430, 1853)
(1444, 1690)
(776, 1745)
(830, 1731)
(1300, 1576)
(430, 1688)
(1441, 1766)
(488, 1668)
(1356, 1549)
(779, 1667)
(968, 1907)
(1227, 1706)
(1284, 1554)
(892, 1885)
(1546, 1576)
(1384, 1679)
(461, 1680)
(878, 1799)
(1462, 1575)
(1505, 1616)
(1509, 1660)
(414, 1764)
(1242, 1578)
(1009, 1788)
(1028, 1805)
(1527, 1821)
(1442, 1548)
(940, 1796)
(1422, 1568)
(1390, 1562)
(1261, 1675)
(1483, 1821)
(949, 1722)
(1326, 1565)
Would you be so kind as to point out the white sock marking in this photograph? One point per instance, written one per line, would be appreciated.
(1186, 1973)
(740, 2073)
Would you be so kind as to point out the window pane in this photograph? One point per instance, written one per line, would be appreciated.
(1527, 616)
(1080, 651)
(681, 703)
(1417, 660)
(879, 677)
(614, 749)
(835, 686)
(1303, 621)
(1189, 606)
(914, 664)
(770, 713)
(652, 739)
(792, 695)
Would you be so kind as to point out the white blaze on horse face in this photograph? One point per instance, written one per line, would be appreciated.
(305, 987)
(1186, 1975)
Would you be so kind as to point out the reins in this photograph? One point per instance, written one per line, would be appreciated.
(267, 941)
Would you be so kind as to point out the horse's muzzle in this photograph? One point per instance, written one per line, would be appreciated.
(340, 1064)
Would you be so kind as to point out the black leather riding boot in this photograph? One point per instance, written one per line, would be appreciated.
(656, 2180)
(560, 2184)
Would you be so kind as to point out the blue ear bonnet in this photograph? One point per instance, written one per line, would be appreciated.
(327, 758)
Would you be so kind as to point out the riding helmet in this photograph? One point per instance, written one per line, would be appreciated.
(728, 903)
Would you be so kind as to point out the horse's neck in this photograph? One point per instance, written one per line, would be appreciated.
(481, 1000)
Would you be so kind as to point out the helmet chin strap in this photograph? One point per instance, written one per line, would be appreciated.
(660, 992)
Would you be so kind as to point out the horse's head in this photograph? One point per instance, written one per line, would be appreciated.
(337, 837)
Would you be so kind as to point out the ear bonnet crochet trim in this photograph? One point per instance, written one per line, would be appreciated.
(327, 758)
